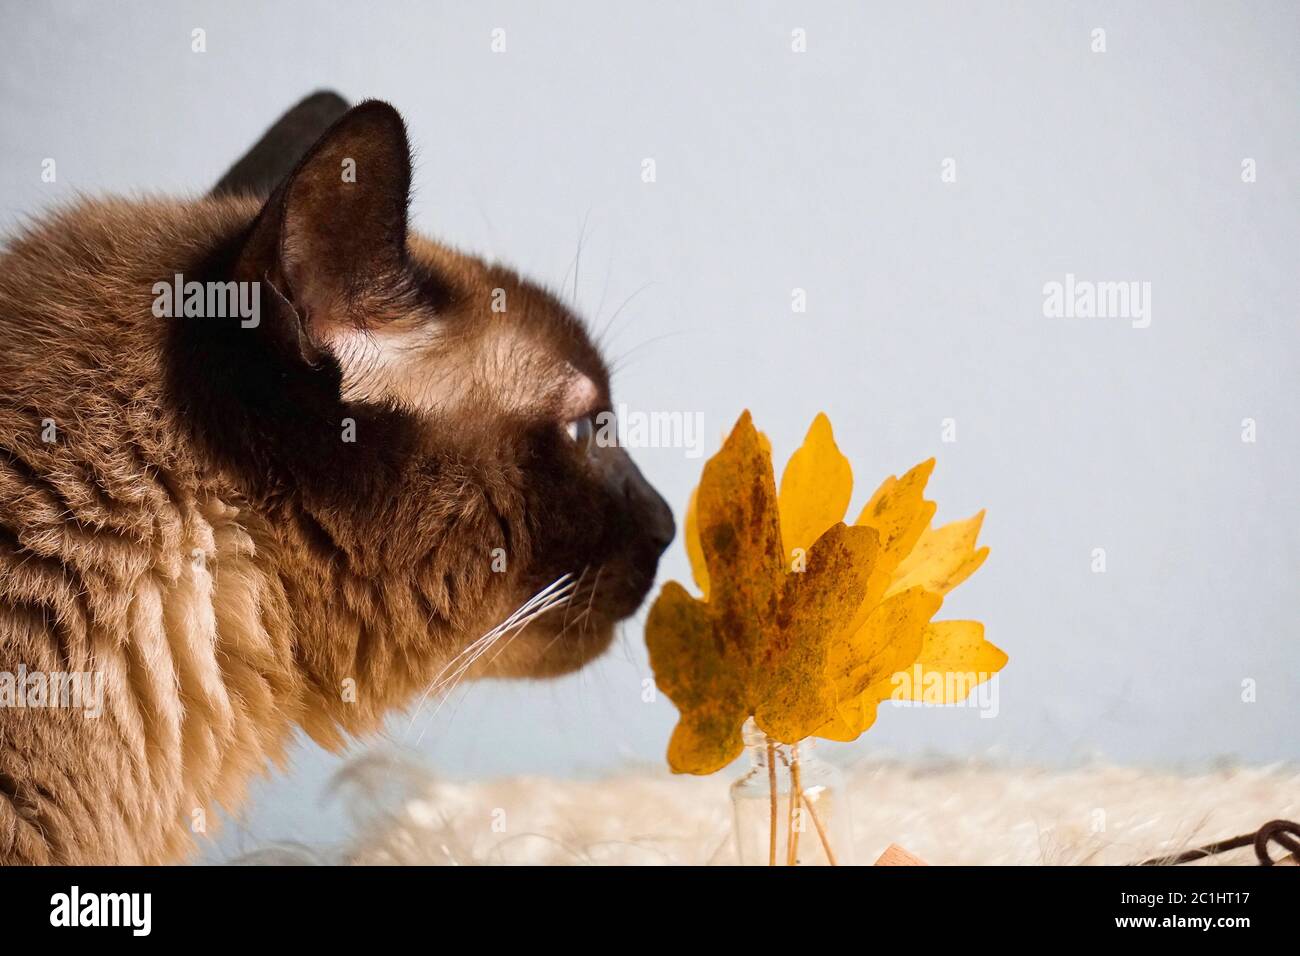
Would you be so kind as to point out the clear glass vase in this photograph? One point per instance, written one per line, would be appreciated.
(791, 808)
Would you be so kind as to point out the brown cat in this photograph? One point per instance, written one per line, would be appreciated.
(267, 464)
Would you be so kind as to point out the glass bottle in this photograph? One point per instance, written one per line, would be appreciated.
(772, 829)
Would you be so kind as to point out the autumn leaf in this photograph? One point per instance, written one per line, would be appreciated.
(759, 645)
(815, 488)
(943, 557)
(919, 560)
(863, 665)
(804, 623)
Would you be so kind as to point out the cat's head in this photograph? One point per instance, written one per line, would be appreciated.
(434, 420)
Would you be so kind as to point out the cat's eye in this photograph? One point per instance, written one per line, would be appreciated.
(582, 433)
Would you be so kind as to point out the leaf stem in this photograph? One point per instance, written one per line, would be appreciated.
(771, 789)
(796, 794)
(821, 831)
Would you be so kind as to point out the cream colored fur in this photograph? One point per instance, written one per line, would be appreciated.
(946, 813)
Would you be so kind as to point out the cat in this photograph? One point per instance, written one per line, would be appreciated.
(222, 525)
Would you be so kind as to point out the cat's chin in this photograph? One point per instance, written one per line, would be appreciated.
(552, 649)
(576, 629)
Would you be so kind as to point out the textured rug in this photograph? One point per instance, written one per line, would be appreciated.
(945, 813)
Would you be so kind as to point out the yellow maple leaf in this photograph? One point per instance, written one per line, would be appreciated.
(759, 646)
(803, 617)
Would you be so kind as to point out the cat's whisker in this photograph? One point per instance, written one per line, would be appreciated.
(489, 638)
(620, 362)
(582, 617)
(577, 257)
(544, 600)
(549, 597)
(503, 644)
(577, 591)
(514, 629)
(532, 618)
(594, 587)
(449, 684)
(602, 338)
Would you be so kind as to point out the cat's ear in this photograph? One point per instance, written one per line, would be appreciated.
(270, 160)
(331, 240)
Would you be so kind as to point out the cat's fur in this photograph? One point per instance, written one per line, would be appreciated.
(199, 531)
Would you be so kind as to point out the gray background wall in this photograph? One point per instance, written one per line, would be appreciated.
(821, 170)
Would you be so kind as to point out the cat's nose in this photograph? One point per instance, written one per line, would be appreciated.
(660, 526)
(646, 506)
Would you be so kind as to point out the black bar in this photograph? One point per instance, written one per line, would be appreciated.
(430, 906)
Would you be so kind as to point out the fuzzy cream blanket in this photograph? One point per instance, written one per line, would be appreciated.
(943, 813)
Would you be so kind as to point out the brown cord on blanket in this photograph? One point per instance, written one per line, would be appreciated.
(1284, 832)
